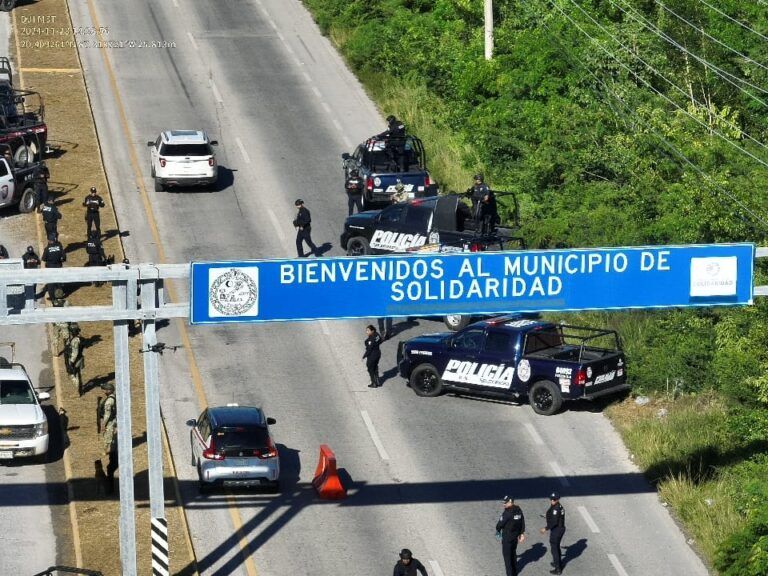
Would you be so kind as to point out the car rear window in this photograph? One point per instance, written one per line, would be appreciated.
(15, 392)
(185, 150)
(240, 438)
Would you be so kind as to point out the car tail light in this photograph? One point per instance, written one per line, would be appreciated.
(427, 181)
(475, 247)
(269, 452)
(581, 378)
(211, 454)
(211, 161)
(162, 162)
(369, 184)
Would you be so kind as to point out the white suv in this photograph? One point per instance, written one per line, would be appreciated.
(183, 158)
(23, 425)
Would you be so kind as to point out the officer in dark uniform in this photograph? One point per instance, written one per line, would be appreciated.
(3, 252)
(372, 355)
(394, 142)
(395, 129)
(511, 526)
(51, 217)
(54, 257)
(476, 193)
(354, 188)
(31, 260)
(408, 565)
(488, 213)
(92, 204)
(95, 251)
(303, 225)
(556, 527)
(41, 176)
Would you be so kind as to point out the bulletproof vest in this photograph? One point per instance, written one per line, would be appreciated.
(91, 248)
(48, 214)
(92, 203)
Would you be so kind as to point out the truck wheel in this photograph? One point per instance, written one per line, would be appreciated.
(425, 381)
(7, 5)
(358, 246)
(456, 322)
(23, 155)
(545, 398)
(28, 200)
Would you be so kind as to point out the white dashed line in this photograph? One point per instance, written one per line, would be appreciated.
(192, 40)
(617, 565)
(316, 92)
(559, 473)
(272, 23)
(242, 150)
(175, 3)
(325, 328)
(307, 77)
(436, 568)
(216, 93)
(337, 125)
(588, 519)
(280, 35)
(326, 107)
(374, 435)
(276, 224)
(534, 434)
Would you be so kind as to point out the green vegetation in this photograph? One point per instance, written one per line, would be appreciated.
(611, 135)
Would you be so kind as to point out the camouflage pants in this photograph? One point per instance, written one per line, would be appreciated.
(60, 335)
(109, 439)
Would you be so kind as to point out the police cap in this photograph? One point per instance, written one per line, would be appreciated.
(299, 202)
(479, 177)
(93, 189)
(30, 249)
(554, 496)
(406, 554)
(507, 499)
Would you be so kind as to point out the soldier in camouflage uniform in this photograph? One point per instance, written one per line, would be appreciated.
(60, 329)
(75, 361)
(108, 427)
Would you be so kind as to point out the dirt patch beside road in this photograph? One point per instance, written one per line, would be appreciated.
(47, 62)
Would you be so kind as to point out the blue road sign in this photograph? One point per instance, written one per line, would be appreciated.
(476, 283)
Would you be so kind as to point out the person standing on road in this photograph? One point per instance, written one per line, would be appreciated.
(511, 529)
(372, 355)
(92, 204)
(51, 217)
(385, 327)
(108, 427)
(556, 527)
(408, 565)
(31, 260)
(54, 257)
(303, 225)
(354, 188)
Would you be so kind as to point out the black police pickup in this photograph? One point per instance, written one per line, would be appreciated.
(382, 162)
(415, 225)
(511, 357)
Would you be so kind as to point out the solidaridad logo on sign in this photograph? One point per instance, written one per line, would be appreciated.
(233, 292)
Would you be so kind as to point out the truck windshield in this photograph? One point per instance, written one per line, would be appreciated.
(15, 392)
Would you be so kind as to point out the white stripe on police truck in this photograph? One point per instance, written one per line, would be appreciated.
(491, 375)
(397, 241)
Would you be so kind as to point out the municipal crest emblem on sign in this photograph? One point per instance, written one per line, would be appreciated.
(234, 293)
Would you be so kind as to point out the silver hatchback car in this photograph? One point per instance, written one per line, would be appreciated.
(231, 446)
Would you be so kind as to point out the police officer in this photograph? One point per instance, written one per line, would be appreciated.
(95, 250)
(31, 260)
(354, 188)
(92, 204)
(488, 213)
(511, 525)
(303, 225)
(408, 565)
(41, 176)
(3, 252)
(74, 360)
(395, 129)
(385, 327)
(556, 527)
(476, 193)
(54, 257)
(372, 355)
(108, 426)
(51, 217)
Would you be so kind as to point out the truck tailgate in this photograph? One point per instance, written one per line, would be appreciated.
(605, 375)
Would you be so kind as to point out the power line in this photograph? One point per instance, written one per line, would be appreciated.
(679, 154)
(648, 84)
(724, 74)
(723, 44)
(734, 20)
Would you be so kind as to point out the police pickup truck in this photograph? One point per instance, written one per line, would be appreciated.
(512, 357)
(382, 163)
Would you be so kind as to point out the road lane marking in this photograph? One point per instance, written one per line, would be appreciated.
(617, 565)
(280, 35)
(337, 125)
(242, 150)
(559, 473)
(534, 434)
(276, 224)
(588, 519)
(436, 568)
(192, 40)
(325, 328)
(374, 435)
(194, 370)
(307, 77)
(216, 93)
(326, 107)
(317, 92)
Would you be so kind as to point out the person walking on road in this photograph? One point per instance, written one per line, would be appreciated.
(372, 355)
(408, 565)
(92, 204)
(303, 225)
(511, 530)
(51, 217)
(556, 528)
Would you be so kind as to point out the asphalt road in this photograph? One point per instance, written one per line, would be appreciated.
(427, 474)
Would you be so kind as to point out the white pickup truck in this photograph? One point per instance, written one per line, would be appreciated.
(23, 424)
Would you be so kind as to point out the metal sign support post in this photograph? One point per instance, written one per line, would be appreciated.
(124, 432)
(488, 11)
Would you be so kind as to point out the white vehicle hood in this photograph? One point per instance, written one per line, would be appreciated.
(16, 414)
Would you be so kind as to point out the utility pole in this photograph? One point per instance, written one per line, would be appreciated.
(488, 29)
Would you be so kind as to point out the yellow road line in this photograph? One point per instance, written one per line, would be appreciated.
(152, 222)
(76, 544)
(52, 70)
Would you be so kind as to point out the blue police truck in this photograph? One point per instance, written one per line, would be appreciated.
(512, 357)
